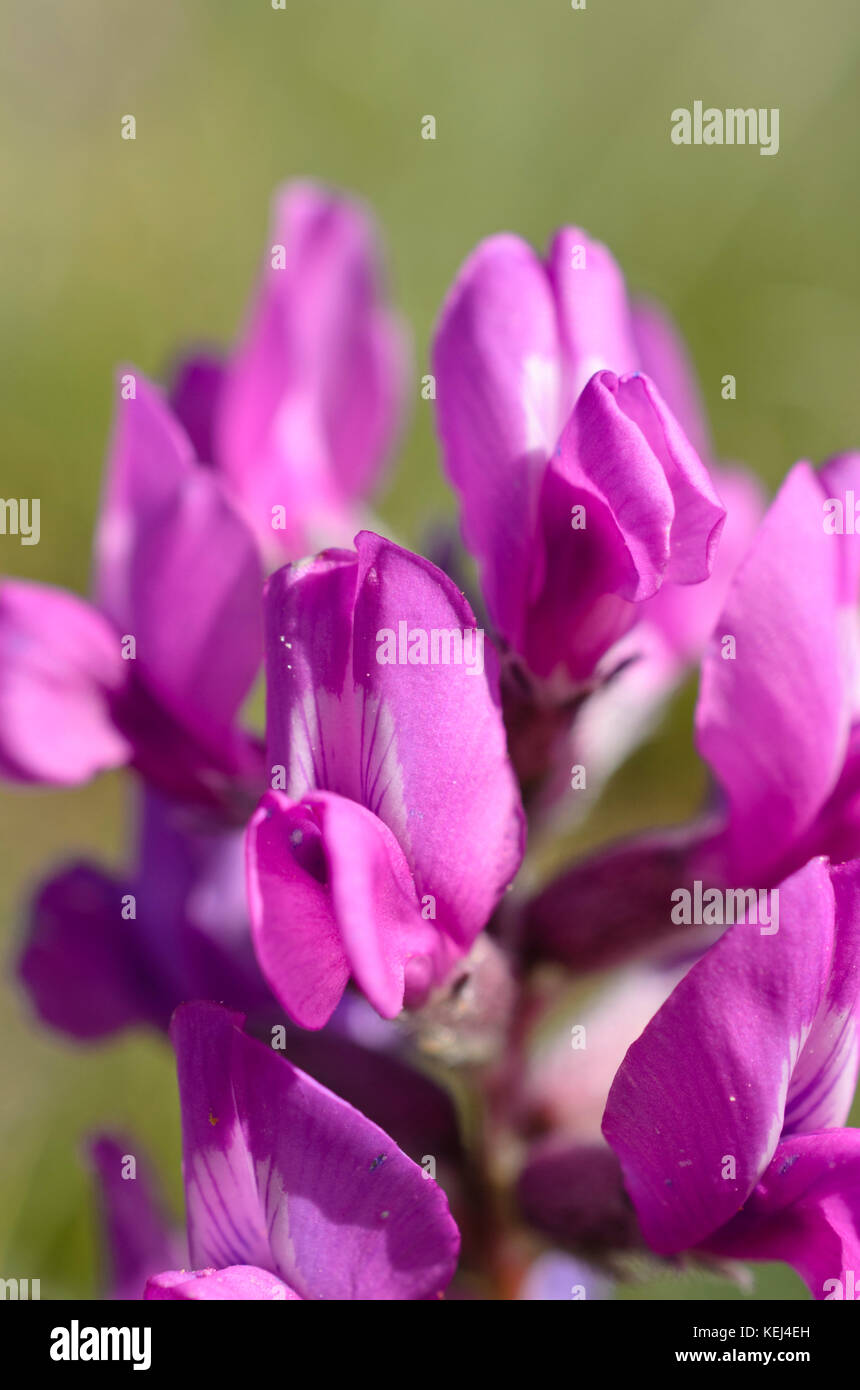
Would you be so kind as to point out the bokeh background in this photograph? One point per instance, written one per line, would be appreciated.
(114, 251)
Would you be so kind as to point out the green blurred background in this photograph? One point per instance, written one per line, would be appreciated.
(123, 251)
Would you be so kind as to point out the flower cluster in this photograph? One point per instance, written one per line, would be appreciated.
(387, 1087)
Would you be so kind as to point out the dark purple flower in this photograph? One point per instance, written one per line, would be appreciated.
(175, 928)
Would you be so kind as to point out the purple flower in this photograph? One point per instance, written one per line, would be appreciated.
(396, 826)
(137, 1236)
(660, 352)
(154, 671)
(726, 1113)
(301, 419)
(290, 1192)
(175, 928)
(571, 1186)
(568, 1073)
(777, 718)
(776, 721)
(581, 496)
(673, 627)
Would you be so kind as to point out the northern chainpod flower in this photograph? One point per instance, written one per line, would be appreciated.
(380, 1048)
(777, 723)
(290, 1192)
(571, 1186)
(672, 628)
(727, 1113)
(581, 496)
(396, 824)
(154, 670)
(301, 418)
(173, 927)
(778, 717)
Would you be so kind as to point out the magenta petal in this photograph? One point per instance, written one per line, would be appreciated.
(651, 517)
(331, 895)
(836, 830)
(806, 1211)
(235, 1282)
(170, 543)
(150, 456)
(519, 347)
(295, 933)
(282, 1174)
(761, 1026)
(138, 1239)
(422, 746)
(359, 1058)
(686, 614)
(499, 409)
(672, 630)
(437, 770)
(773, 721)
(199, 559)
(60, 667)
(839, 476)
(606, 459)
(308, 616)
(194, 395)
(593, 310)
(648, 438)
(225, 1223)
(824, 1075)
(312, 398)
(663, 357)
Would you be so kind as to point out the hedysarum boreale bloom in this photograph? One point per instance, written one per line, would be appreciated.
(396, 823)
(728, 1112)
(291, 1193)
